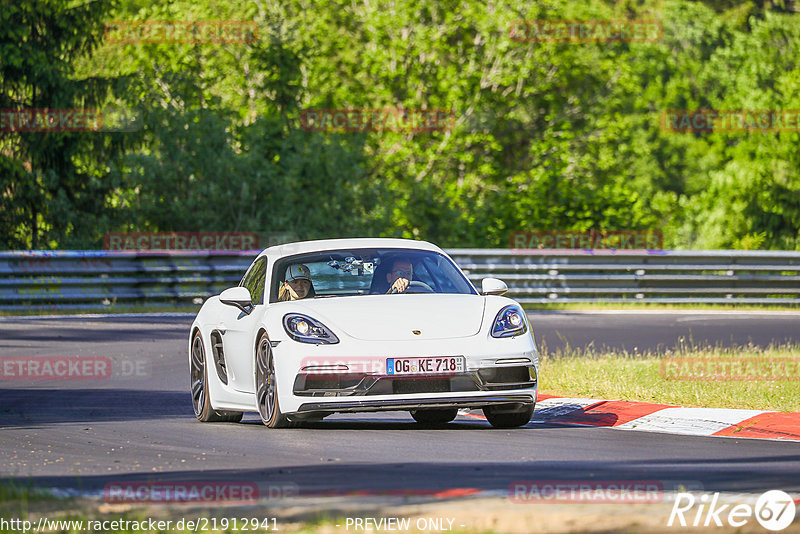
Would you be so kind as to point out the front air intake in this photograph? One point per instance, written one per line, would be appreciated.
(218, 354)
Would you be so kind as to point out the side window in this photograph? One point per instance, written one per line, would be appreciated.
(254, 281)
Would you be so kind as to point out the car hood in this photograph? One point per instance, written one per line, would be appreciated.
(396, 317)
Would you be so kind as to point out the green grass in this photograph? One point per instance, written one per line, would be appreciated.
(639, 376)
(15, 491)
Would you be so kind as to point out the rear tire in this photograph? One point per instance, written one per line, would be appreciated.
(439, 416)
(267, 387)
(201, 400)
(501, 417)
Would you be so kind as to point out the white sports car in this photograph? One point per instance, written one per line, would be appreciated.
(361, 325)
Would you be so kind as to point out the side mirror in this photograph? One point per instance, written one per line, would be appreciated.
(493, 286)
(237, 296)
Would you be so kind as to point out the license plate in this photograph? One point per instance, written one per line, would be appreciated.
(425, 366)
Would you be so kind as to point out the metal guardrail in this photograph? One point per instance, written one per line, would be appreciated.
(665, 276)
(97, 279)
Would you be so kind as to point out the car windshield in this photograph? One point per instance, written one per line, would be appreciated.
(372, 271)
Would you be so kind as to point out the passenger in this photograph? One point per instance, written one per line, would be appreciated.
(297, 285)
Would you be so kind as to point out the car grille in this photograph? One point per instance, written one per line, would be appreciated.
(355, 384)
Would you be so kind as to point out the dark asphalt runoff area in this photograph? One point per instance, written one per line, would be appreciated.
(137, 423)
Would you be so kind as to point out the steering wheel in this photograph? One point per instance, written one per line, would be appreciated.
(421, 287)
(415, 286)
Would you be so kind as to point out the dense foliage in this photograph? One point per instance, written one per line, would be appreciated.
(544, 135)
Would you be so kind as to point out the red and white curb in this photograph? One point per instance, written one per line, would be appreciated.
(627, 415)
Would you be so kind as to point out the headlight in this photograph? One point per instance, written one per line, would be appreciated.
(509, 322)
(304, 329)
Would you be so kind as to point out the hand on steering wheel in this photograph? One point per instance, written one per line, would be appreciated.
(399, 286)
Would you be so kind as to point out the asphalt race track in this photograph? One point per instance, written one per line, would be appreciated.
(655, 331)
(138, 424)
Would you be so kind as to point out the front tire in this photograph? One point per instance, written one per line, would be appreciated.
(434, 416)
(267, 387)
(502, 417)
(201, 399)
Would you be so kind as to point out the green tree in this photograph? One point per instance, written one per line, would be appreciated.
(52, 183)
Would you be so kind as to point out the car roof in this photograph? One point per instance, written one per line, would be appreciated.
(302, 247)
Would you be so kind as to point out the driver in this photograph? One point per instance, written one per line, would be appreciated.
(297, 284)
(400, 276)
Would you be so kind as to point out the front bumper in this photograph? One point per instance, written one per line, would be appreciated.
(348, 384)
(416, 404)
(352, 376)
